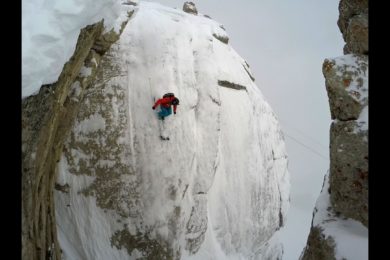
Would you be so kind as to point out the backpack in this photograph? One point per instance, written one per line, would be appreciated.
(168, 95)
(175, 101)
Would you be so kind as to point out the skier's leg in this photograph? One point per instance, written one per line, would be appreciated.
(164, 112)
(169, 111)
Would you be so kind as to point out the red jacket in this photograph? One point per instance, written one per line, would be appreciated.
(165, 102)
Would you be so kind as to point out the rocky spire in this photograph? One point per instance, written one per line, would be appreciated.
(344, 195)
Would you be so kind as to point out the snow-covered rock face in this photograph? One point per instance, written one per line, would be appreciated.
(218, 189)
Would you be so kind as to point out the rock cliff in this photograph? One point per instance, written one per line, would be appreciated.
(342, 208)
(46, 122)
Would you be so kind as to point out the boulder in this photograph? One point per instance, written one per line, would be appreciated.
(346, 83)
(189, 7)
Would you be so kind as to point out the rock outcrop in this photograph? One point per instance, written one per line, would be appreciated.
(345, 193)
(353, 24)
(227, 84)
(347, 86)
(319, 246)
(46, 121)
(222, 38)
(189, 7)
(345, 83)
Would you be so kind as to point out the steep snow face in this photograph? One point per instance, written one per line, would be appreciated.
(218, 189)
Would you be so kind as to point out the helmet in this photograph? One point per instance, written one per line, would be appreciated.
(168, 95)
(175, 101)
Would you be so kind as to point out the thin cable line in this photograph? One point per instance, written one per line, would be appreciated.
(304, 134)
(311, 149)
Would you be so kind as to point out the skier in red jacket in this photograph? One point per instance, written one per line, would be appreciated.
(165, 103)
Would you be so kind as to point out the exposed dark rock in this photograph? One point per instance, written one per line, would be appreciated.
(357, 35)
(152, 249)
(345, 104)
(103, 43)
(63, 188)
(218, 102)
(318, 246)
(349, 171)
(222, 38)
(227, 84)
(347, 10)
(249, 74)
(189, 7)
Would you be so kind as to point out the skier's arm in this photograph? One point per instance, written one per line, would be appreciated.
(157, 103)
(174, 108)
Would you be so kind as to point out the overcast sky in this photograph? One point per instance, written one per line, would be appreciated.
(285, 43)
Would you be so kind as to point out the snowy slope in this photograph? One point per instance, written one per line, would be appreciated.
(217, 190)
(49, 35)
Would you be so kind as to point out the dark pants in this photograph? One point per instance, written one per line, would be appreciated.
(164, 111)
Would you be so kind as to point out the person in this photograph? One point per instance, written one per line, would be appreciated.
(165, 103)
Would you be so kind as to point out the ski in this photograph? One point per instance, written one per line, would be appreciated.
(164, 138)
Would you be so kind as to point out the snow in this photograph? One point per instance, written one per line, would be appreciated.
(49, 34)
(362, 121)
(94, 61)
(350, 236)
(85, 72)
(225, 166)
(75, 90)
(92, 124)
